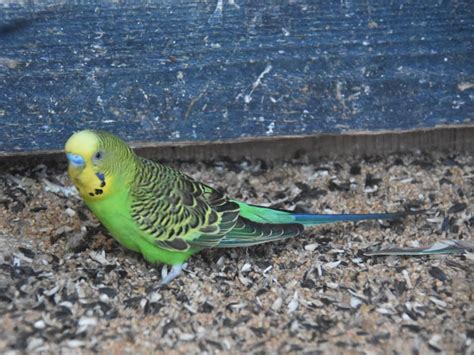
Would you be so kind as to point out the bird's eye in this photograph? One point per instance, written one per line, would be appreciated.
(98, 155)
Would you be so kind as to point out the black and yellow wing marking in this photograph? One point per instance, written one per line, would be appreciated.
(177, 213)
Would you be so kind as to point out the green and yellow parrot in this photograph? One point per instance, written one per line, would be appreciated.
(166, 215)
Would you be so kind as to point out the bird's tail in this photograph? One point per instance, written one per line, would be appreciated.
(315, 219)
(257, 225)
(269, 215)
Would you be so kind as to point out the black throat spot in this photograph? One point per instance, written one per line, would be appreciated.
(96, 192)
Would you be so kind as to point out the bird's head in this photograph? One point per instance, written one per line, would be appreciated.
(95, 159)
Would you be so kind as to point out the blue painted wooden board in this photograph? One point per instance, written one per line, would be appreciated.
(174, 71)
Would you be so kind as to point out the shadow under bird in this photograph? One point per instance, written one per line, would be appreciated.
(166, 215)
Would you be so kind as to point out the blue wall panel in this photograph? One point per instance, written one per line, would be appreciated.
(172, 71)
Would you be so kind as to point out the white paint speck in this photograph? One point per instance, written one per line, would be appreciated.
(216, 16)
(270, 128)
(257, 83)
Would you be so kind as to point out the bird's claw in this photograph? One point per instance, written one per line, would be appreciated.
(167, 277)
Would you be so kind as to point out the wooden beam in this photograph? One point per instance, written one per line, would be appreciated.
(441, 139)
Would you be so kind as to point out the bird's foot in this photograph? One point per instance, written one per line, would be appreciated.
(167, 277)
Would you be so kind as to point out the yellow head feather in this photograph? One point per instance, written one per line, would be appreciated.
(84, 143)
(86, 168)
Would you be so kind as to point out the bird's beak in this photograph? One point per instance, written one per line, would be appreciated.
(76, 160)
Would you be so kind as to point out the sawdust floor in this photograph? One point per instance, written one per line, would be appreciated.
(65, 285)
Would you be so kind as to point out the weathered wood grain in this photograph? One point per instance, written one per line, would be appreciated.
(191, 71)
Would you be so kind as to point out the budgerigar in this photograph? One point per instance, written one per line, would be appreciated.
(166, 215)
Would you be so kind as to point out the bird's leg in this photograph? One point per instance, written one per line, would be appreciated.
(167, 277)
